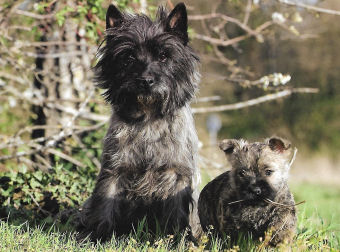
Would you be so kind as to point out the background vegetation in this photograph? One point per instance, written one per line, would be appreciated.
(52, 119)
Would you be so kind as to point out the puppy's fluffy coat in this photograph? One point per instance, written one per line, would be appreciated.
(241, 200)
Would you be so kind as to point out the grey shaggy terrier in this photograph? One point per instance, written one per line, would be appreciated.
(148, 167)
(254, 196)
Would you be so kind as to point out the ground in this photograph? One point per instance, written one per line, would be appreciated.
(318, 229)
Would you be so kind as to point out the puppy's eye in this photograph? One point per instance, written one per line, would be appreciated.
(242, 173)
(268, 172)
(162, 57)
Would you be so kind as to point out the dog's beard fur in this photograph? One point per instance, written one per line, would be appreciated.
(149, 157)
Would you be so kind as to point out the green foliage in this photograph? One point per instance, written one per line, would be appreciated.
(60, 15)
(37, 195)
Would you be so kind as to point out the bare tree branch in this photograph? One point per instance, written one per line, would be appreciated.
(66, 157)
(226, 18)
(208, 99)
(247, 12)
(34, 15)
(55, 139)
(310, 7)
(253, 102)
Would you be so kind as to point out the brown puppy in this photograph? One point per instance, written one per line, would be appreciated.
(254, 196)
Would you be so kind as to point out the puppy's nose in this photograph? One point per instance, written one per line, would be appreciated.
(257, 190)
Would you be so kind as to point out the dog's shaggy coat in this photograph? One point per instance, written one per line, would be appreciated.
(149, 156)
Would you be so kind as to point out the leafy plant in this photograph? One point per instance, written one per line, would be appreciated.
(40, 195)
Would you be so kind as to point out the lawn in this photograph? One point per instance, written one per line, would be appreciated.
(322, 202)
(318, 229)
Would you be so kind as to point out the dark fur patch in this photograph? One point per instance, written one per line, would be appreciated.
(119, 215)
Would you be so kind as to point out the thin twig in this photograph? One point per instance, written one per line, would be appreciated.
(271, 202)
(310, 7)
(255, 101)
(283, 205)
(66, 157)
(220, 42)
(48, 43)
(293, 158)
(34, 15)
(236, 201)
(53, 55)
(37, 204)
(208, 99)
(247, 12)
(72, 111)
(226, 18)
(235, 40)
(277, 231)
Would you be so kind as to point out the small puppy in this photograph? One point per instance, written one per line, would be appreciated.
(148, 167)
(254, 196)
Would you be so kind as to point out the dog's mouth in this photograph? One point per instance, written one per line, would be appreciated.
(145, 99)
(250, 196)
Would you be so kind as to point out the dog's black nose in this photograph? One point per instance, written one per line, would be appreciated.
(257, 190)
(148, 80)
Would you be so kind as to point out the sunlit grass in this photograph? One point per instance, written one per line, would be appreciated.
(318, 230)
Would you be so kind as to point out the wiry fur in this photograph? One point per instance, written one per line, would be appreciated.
(149, 155)
(144, 40)
(234, 202)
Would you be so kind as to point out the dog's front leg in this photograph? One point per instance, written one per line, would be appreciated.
(103, 212)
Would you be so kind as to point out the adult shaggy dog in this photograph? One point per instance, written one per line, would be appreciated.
(149, 170)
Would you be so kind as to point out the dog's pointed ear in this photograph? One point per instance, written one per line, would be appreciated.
(114, 17)
(177, 22)
(228, 145)
(278, 144)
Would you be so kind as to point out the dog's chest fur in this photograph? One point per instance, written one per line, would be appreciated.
(151, 158)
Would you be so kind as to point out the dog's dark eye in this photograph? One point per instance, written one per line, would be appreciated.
(268, 172)
(129, 59)
(162, 57)
(242, 173)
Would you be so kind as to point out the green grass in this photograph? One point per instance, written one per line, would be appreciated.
(322, 202)
(318, 230)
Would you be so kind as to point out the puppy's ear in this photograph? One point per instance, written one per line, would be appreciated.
(114, 17)
(228, 145)
(177, 22)
(278, 144)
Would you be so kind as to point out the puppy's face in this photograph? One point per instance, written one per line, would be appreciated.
(147, 65)
(259, 170)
